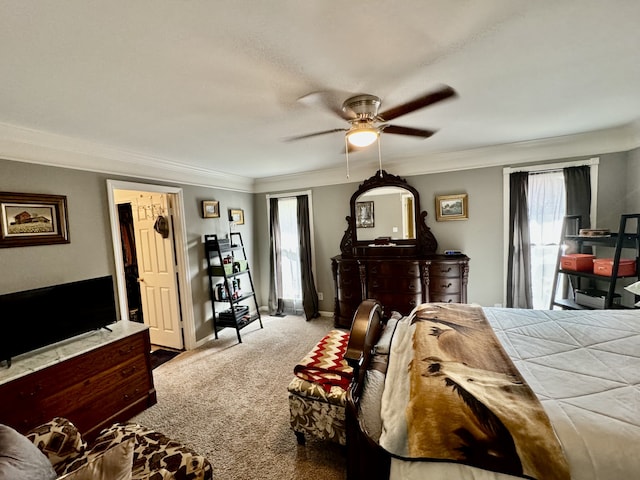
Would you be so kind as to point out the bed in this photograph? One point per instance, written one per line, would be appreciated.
(583, 367)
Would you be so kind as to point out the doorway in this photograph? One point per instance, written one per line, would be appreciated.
(151, 261)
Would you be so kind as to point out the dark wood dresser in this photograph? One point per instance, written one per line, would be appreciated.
(399, 283)
(95, 380)
(388, 253)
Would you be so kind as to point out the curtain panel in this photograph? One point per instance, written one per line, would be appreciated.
(519, 293)
(309, 295)
(275, 274)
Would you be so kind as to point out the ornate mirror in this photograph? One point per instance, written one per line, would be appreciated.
(385, 213)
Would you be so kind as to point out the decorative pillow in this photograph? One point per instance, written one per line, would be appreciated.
(115, 463)
(59, 440)
(384, 342)
(20, 459)
(635, 289)
(371, 403)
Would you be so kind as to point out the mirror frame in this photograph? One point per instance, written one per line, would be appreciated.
(424, 243)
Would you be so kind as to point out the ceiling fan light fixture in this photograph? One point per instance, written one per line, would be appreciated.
(362, 136)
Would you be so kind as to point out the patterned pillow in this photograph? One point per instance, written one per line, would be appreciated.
(112, 464)
(59, 440)
(155, 457)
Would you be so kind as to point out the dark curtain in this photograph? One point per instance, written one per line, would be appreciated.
(275, 303)
(309, 295)
(519, 293)
(577, 185)
(577, 181)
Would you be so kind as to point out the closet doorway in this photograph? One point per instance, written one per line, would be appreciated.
(147, 232)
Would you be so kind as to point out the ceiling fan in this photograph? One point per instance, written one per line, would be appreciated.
(366, 123)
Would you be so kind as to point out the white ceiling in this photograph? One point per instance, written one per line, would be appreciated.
(209, 89)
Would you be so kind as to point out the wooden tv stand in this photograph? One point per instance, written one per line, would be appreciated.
(93, 380)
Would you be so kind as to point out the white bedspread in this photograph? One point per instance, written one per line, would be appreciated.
(585, 368)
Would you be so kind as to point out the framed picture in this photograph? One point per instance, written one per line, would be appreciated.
(364, 215)
(236, 216)
(452, 207)
(210, 209)
(32, 219)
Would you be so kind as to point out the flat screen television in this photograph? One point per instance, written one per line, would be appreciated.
(36, 318)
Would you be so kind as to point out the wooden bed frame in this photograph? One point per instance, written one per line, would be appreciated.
(365, 458)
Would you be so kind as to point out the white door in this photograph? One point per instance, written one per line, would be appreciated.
(156, 270)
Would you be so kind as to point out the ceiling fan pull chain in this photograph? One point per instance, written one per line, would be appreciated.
(379, 156)
(346, 152)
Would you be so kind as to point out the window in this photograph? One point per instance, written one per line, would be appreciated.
(546, 207)
(534, 211)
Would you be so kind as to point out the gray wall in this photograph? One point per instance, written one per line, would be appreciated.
(90, 253)
(481, 237)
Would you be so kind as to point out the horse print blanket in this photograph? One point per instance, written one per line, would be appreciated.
(453, 394)
(325, 363)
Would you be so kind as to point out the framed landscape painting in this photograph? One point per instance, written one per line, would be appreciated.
(32, 219)
(452, 207)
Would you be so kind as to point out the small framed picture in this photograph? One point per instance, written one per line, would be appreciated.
(210, 209)
(452, 207)
(364, 215)
(33, 219)
(236, 216)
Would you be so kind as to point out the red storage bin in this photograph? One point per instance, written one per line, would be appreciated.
(578, 262)
(604, 266)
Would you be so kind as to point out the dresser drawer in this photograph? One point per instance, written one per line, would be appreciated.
(348, 268)
(96, 389)
(394, 284)
(112, 396)
(440, 298)
(442, 269)
(348, 281)
(350, 294)
(393, 268)
(444, 285)
(402, 303)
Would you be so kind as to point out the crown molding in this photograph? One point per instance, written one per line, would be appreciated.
(43, 148)
(33, 146)
(618, 139)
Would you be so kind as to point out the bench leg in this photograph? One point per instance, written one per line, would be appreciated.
(300, 438)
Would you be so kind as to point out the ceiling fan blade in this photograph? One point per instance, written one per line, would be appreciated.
(414, 132)
(328, 101)
(309, 135)
(417, 104)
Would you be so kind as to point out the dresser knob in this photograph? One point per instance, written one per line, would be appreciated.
(128, 371)
(446, 286)
(32, 393)
(446, 271)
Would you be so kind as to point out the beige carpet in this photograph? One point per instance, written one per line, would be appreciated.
(229, 402)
